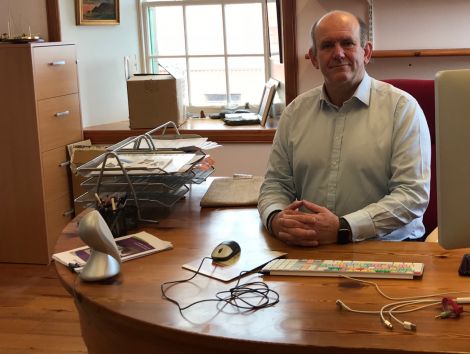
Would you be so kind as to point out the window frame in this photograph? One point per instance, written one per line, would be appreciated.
(146, 41)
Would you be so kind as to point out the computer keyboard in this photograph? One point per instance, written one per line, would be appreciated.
(337, 268)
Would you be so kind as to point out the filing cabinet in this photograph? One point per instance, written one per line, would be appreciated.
(39, 116)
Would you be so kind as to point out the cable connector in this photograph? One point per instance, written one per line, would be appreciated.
(409, 326)
(444, 314)
(340, 304)
(388, 324)
(463, 300)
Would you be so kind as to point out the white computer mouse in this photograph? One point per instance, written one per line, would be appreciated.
(225, 251)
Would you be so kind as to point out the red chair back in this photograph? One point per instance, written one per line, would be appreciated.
(423, 91)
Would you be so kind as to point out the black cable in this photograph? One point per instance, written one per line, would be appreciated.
(241, 296)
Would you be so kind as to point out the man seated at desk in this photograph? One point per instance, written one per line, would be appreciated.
(351, 159)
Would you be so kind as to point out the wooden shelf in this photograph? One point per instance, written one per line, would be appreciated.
(401, 53)
(409, 53)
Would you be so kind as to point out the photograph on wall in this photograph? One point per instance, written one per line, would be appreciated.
(97, 12)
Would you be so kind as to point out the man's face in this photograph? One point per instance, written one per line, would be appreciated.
(340, 56)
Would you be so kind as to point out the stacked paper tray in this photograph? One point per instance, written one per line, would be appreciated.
(147, 175)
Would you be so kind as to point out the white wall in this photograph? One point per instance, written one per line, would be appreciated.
(241, 158)
(24, 14)
(101, 51)
(399, 24)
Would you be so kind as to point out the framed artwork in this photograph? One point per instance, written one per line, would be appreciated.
(97, 12)
(274, 29)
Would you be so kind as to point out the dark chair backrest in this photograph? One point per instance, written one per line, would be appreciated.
(423, 91)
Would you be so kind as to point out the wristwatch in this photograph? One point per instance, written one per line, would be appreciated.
(344, 232)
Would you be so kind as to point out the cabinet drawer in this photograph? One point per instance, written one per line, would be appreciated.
(55, 173)
(55, 71)
(57, 217)
(59, 121)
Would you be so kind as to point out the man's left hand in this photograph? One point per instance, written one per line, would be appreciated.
(326, 223)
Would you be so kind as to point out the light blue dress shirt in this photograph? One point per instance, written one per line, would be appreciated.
(368, 161)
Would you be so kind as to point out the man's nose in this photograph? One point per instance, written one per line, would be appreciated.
(338, 51)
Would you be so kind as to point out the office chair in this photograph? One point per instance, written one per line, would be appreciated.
(423, 91)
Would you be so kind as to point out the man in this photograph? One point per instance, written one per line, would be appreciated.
(351, 159)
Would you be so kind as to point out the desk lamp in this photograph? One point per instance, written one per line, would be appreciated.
(105, 259)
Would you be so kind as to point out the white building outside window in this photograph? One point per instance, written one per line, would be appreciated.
(220, 48)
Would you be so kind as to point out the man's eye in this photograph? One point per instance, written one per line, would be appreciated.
(347, 44)
(327, 45)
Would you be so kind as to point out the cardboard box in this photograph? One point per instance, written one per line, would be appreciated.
(154, 100)
(80, 153)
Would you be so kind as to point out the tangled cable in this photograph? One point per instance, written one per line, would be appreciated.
(249, 296)
(408, 304)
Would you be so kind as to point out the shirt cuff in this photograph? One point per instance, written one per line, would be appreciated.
(268, 211)
(270, 220)
(362, 226)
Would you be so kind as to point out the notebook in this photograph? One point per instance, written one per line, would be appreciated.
(259, 117)
(233, 192)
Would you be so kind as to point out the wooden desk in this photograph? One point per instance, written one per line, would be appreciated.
(214, 129)
(129, 315)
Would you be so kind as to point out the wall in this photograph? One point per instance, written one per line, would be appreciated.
(240, 158)
(424, 24)
(24, 14)
(101, 51)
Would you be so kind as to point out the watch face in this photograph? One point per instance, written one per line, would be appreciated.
(344, 236)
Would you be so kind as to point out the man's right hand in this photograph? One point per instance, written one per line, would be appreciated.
(295, 227)
(316, 226)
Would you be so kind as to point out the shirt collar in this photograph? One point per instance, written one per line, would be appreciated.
(362, 92)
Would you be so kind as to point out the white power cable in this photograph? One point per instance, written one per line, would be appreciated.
(399, 302)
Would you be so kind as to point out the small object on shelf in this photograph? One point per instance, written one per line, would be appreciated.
(23, 38)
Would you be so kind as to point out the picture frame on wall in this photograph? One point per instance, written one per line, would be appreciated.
(97, 12)
(274, 29)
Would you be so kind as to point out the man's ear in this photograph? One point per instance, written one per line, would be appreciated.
(367, 52)
(313, 58)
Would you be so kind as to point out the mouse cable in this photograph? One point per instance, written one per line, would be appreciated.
(249, 296)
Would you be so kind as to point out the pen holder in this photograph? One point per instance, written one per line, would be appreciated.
(120, 220)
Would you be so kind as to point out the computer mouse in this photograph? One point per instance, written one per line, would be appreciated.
(225, 251)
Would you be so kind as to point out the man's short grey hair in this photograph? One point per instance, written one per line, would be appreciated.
(363, 33)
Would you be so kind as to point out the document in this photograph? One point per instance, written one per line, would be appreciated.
(137, 164)
(174, 144)
(130, 247)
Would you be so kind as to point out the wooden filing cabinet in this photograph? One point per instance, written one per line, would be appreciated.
(39, 116)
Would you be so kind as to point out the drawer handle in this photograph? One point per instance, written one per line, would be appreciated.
(57, 62)
(62, 114)
(64, 164)
(68, 212)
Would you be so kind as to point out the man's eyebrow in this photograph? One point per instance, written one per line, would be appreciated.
(340, 39)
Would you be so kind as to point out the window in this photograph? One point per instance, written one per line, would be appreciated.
(220, 48)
